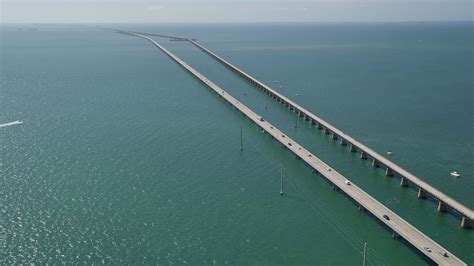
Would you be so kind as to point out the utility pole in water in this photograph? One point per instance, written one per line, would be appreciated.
(241, 141)
(281, 179)
(365, 251)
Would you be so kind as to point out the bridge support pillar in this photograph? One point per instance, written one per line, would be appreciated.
(361, 208)
(343, 142)
(352, 148)
(403, 182)
(326, 131)
(395, 235)
(319, 126)
(442, 207)
(301, 114)
(334, 136)
(466, 222)
(421, 193)
(363, 156)
(388, 172)
(375, 163)
(313, 122)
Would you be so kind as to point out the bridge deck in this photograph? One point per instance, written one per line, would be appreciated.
(396, 223)
(455, 205)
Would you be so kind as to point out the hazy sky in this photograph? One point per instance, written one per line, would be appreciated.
(94, 11)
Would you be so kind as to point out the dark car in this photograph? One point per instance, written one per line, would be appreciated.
(386, 217)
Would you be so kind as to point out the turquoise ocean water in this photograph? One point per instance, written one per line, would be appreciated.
(124, 158)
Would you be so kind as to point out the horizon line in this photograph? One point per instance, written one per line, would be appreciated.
(241, 22)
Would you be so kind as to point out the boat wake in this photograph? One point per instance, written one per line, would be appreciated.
(17, 122)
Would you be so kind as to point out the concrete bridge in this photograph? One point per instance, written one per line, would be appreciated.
(398, 225)
(424, 189)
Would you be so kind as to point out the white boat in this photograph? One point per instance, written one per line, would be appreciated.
(455, 174)
(389, 152)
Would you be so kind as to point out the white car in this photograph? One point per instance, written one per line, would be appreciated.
(348, 182)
